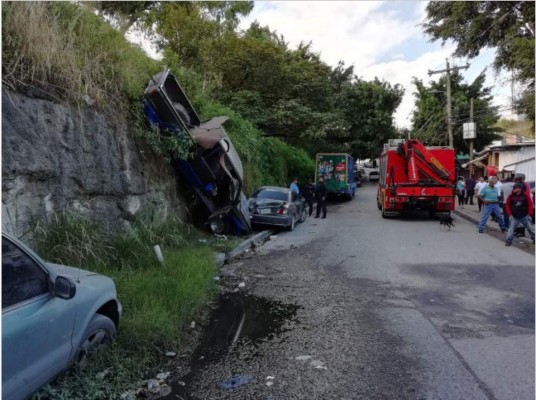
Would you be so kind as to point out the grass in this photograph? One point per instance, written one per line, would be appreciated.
(158, 299)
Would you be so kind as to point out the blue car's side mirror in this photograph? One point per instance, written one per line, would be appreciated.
(64, 288)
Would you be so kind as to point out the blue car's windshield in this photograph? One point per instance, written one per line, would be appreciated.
(270, 194)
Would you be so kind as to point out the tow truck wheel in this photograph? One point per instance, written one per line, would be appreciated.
(382, 208)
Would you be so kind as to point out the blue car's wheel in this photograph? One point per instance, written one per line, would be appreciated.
(99, 333)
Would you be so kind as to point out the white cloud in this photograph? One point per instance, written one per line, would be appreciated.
(402, 72)
(357, 32)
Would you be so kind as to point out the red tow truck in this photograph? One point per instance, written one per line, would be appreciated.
(414, 176)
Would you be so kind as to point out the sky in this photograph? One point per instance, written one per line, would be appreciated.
(381, 39)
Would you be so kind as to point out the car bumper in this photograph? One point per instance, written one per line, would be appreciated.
(276, 220)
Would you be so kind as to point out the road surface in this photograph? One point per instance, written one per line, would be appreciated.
(374, 308)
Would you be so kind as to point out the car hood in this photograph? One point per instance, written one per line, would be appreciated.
(266, 202)
(71, 272)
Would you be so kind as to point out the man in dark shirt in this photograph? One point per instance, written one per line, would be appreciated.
(320, 195)
(308, 194)
(470, 189)
(519, 208)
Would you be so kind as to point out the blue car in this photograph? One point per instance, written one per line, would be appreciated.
(52, 317)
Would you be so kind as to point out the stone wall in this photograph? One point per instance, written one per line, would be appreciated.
(58, 157)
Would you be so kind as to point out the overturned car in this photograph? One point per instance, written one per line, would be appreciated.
(215, 172)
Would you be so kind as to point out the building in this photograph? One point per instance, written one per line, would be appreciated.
(514, 154)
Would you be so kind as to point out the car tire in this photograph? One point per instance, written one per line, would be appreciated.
(292, 224)
(303, 214)
(99, 333)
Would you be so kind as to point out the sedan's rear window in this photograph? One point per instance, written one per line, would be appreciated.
(271, 194)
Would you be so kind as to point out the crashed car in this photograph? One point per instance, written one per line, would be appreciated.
(276, 206)
(215, 172)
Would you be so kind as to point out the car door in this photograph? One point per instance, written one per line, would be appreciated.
(36, 327)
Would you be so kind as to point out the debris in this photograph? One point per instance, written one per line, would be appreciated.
(170, 354)
(236, 381)
(303, 358)
(221, 237)
(102, 374)
(181, 383)
(202, 240)
(216, 278)
(273, 237)
(270, 377)
(162, 376)
(242, 285)
(128, 396)
(192, 325)
(153, 385)
(269, 383)
(158, 253)
(317, 364)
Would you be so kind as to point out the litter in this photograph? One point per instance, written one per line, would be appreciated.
(162, 376)
(242, 285)
(303, 358)
(236, 381)
(192, 324)
(170, 354)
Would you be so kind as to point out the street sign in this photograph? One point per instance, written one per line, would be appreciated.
(469, 130)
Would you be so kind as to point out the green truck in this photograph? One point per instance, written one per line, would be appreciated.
(338, 172)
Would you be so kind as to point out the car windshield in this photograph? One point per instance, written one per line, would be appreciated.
(271, 194)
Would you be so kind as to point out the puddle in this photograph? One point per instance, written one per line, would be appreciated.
(237, 319)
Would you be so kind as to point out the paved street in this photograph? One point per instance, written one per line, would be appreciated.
(384, 309)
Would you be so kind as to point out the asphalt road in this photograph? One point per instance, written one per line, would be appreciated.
(373, 308)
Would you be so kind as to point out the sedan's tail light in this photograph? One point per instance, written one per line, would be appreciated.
(283, 210)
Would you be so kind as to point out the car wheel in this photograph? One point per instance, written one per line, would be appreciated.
(303, 214)
(99, 333)
(292, 224)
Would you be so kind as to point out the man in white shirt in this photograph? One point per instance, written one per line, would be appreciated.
(478, 187)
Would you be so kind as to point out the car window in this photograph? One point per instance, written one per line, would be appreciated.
(271, 194)
(22, 278)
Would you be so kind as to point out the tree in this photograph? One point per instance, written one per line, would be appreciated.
(473, 26)
(430, 117)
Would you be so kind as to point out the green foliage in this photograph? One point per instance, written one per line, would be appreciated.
(430, 117)
(473, 26)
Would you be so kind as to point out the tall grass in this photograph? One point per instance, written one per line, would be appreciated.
(65, 46)
(158, 299)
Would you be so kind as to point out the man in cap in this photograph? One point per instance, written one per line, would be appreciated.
(519, 208)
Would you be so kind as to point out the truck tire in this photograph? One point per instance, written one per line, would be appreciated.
(384, 215)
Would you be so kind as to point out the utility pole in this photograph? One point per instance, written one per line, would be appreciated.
(449, 98)
(471, 141)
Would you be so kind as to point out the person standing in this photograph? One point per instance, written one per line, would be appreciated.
(470, 189)
(490, 198)
(308, 194)
(460, 191)
(320, 195)
(294, 186)
(478, 187)
(519, 208)
(506, 190)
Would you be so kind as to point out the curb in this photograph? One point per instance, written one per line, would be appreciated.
(475, 220)
(246, 244)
